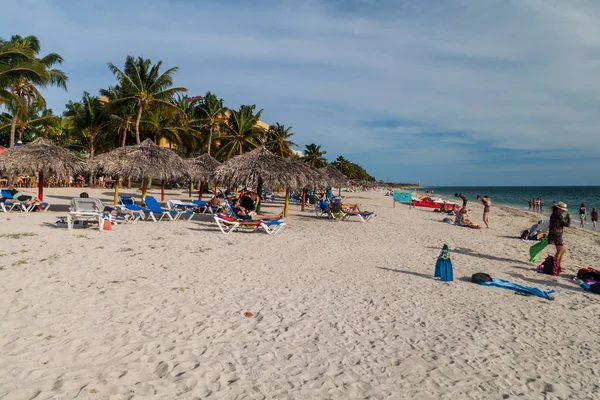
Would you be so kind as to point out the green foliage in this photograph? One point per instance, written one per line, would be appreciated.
(314, 156)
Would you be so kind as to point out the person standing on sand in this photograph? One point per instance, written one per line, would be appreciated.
(530, 204)
(555, 234)
(464, 199)
(541, 205)
(582, 215)
(594, 218)
(487, 206)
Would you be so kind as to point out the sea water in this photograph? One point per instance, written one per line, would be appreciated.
(518, 196)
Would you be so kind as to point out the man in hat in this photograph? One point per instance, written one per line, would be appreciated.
(555, 234)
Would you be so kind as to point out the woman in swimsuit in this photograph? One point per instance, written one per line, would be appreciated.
(487, 206)
(555, 234)
(582, 217)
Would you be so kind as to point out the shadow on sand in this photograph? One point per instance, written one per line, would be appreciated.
(408, 273)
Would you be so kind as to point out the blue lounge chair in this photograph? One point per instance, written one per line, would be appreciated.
(154, 210)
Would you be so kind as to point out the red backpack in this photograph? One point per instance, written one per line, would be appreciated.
(549, 267)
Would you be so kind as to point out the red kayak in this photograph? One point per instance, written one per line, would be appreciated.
(429, 203)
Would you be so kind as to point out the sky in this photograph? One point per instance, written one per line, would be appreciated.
(445, 92)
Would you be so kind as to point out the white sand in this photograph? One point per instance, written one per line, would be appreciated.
(340, 310)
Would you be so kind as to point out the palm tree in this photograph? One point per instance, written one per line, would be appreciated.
(122, 113)
(242, 132)
(90, 120)
(211, 112)
(314, 156)
(59, 131)
(278, 140)
(142, 82)
(190, 126)
(157, 125)
(30, 120)
(23, 90)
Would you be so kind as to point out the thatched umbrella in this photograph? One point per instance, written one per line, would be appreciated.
(333, 177)
(201, 169)
(143, 161)
(260, 167)
(41, 157)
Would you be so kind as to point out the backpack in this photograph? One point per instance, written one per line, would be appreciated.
(588, 274)
(549, 267)
(481, 277)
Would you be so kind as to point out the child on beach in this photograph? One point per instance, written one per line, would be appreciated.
(594, 218)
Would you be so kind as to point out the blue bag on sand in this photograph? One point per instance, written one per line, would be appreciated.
(526, 290)
(443, 266)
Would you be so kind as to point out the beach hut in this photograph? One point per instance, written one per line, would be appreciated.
(142, 162)
(260, 167)
(333, 177)
(201, 169)
(44, 158)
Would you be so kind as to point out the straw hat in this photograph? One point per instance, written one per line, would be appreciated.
(561, 206)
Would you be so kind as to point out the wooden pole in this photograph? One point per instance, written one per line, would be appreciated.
(162, 190)
(116, 198)
(303, 199)
(287, 202)
(41, 186)
(200, 190)
(144, 191)
(191, 189)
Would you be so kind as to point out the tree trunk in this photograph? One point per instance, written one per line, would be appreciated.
(21, 129)
(124, 140)
(92, 175)
(137, 124)
(210, 133)
(13, 128)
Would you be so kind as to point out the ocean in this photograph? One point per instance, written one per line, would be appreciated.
(518, 196)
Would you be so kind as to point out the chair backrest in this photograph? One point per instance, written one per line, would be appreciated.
(323, 205)
(336, 205)
(6, 193)
(86, 205)
(153, 205)
(127, 200)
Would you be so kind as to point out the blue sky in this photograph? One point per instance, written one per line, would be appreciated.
(454, 92)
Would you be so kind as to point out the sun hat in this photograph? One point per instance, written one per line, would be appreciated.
(561, 206)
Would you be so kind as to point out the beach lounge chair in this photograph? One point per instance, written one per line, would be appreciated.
(321, 208)
(87, 210)
(11, 205)
(228, 224)
(363, 217)
(205, 208)
(154, 210)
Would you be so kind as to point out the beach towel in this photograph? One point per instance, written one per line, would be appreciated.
(535, 251)
(526, 290)
(591, 286)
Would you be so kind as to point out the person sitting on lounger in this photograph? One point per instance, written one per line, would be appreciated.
(25, 198)
(115, 211)
(216, 201)
(242, 213)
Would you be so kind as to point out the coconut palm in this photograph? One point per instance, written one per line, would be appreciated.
(23, 90)
(143, 83)
(90, 120)
(242, 133)
(278, 140)
(190, 126)
(157, 125)
(30, 121)
(314, 156)
(211, 112)
(59, 131)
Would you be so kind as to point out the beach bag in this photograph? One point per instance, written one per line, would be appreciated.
(595, 288)
(481, 277)
(448, 221)
(107, 226)
(587, 274)
(549, 267)
(335, 205)
(535, 251)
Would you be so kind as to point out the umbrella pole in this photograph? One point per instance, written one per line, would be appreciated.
(215, 191)
(303, 199)
(41, 186)
(162, 190)
(191, 189)
(287, 202)
(144, 190)
(200, 190)
(340, 192)
(116, 197)
(258, 191)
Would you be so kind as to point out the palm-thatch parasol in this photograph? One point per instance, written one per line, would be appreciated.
(333, 177)
(260, 167)
(142, 161)
(315, 178)
(201, 169)
(44, 158)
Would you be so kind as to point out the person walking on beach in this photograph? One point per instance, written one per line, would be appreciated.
(594, 218)
(582, 215)
(487, 206)
(541, 205)
(555, 233)
(464, 199)
(530, 204)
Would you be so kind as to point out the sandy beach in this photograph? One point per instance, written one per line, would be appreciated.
(340, 310)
